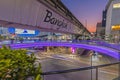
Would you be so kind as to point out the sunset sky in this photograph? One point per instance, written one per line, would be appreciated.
(87, 11)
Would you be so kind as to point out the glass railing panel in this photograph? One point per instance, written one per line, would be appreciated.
(79, 75)
(108, 73)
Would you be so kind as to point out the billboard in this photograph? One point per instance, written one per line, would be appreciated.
(24, 31)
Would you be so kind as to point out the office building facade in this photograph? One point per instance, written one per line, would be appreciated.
(113, 19)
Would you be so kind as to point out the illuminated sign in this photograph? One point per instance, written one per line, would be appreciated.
(72, 49)
(117, 5)
(24, 31)
(116, 27)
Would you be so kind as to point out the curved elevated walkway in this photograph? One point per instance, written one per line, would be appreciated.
(104, 50)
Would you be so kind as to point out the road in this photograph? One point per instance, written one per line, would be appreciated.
(58, 62)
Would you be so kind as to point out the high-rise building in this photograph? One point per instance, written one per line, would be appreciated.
(100, 30)
(104, 18)
(100, 27)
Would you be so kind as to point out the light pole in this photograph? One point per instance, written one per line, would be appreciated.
(119, 66)
(91, 63)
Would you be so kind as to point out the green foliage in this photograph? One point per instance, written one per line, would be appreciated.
(17, 65)
(1, 37)
(20, 38)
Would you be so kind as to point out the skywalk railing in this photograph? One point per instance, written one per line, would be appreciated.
(83, 69)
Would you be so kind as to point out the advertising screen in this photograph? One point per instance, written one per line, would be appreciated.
(24, 31)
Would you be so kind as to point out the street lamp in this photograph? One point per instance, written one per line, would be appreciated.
(91, 54)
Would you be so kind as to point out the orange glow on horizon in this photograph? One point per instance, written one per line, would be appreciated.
(92, 29)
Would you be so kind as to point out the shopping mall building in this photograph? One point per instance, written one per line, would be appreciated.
(113, 19)
(43, 18)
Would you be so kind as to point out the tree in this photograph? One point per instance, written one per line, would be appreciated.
(1, 37)
(17, 65)
(21, 40)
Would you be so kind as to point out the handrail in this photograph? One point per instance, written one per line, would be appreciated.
(78, 69)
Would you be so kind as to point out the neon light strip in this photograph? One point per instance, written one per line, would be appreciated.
(107, 51)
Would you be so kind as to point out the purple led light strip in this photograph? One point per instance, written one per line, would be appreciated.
(107, 51)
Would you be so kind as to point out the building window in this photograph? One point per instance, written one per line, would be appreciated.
(117, 5)
(104, 19)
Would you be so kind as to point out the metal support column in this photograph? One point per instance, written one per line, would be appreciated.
(97, 73)
(91, 64)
